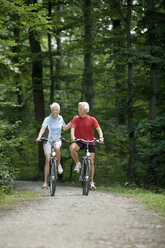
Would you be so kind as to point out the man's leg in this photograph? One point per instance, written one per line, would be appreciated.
(92, 166)
(73, 151)
(74, 148)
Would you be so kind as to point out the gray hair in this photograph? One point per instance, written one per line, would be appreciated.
(55, 104)
(85, 105)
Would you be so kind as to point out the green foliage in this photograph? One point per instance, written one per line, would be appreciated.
(7, 177)
(110, 75)
(8, 143)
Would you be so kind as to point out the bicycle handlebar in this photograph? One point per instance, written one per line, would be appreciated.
(89, 141)
(55, 140)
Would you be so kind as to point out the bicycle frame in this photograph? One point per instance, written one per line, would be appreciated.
(85, 176)
(52, 168)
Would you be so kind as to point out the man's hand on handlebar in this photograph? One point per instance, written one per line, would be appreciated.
(101, 140)
(73, 138)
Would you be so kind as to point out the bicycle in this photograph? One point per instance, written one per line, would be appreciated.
(85, 176)
(53, 166)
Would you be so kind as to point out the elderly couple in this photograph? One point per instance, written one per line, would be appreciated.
(82, 127)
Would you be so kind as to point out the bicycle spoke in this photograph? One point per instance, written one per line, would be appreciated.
(86, 177)
(52, 177)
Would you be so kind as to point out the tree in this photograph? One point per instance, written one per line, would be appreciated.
(38, 95)
(127, 23)
(88, 73)
(52, 77)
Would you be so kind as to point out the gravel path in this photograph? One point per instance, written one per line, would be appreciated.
(70, 220)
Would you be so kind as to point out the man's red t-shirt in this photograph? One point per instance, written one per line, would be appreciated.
(84, 127)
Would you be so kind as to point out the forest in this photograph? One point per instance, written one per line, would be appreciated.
(110, 53)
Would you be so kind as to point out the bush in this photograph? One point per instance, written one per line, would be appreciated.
(7, 176)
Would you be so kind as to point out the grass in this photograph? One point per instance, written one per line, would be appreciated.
(17, 197)
(153, 200)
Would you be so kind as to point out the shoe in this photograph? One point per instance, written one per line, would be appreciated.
(44, 186)
(93, 187)
(60, 169)
(78, 167)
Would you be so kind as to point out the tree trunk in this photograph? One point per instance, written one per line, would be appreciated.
(38, 96)
(52, 79)
(153, 83)
(151, 176)
(88, 38)
(59, 54)
(118, 75)
(130, 96)
(16, 33)
(58, 63)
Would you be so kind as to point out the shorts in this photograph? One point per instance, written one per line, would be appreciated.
(47, 147)
(83, 146)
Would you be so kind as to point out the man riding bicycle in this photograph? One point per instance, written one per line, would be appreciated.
(82, 127)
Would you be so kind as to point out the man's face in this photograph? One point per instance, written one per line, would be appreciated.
(81, 110)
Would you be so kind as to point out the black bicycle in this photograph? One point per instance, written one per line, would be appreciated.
(53, 175)
(85, 176)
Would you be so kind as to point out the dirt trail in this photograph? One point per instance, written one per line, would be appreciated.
(70, 220)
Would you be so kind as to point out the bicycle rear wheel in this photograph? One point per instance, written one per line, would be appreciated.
(53, 168)
(86, 177)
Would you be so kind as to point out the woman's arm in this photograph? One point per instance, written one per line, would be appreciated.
(41, 132)
(67, 126)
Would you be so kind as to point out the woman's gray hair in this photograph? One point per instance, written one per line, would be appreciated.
(55, 104)
(85, 105)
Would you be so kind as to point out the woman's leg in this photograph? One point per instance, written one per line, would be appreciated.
(46, 168)
(58, 151)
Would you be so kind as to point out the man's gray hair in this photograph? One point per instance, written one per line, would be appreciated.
(55, 104)
(85, 105)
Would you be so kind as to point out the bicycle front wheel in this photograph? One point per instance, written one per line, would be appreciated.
(86, 177)
(52, 178)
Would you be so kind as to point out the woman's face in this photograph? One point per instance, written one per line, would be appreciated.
(55, 111)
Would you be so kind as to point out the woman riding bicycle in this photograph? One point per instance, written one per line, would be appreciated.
(82, 127)
(51, 127)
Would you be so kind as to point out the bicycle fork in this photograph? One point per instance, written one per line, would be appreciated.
(84, 176)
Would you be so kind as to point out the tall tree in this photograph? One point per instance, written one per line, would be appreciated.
(52, 79)
(152, 40)
(59, 49)
(88, 38)
(120, 86)
(127, 24)
(37, 86)
(130, 95)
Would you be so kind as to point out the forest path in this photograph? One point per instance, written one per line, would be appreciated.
(70, 220)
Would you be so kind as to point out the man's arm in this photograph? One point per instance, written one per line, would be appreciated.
(100, 133)
(72, 133)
